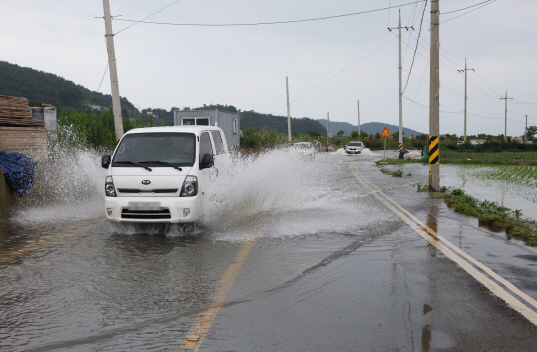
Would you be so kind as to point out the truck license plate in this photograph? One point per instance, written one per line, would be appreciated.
(144, 206)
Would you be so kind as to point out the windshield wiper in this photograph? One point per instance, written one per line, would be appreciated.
(162, 163)
(133, 163)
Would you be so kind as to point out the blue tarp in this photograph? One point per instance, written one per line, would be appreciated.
(19, 170)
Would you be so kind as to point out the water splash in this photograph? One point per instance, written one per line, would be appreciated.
(69, 187)
(295, 195)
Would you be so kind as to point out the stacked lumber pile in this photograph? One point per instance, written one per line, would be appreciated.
(15, 111)
(28, 140)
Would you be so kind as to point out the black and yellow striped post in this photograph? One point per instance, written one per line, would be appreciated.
(434, 153)
(400, 147)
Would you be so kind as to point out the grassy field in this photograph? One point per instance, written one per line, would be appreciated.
(470, 158)
(491, 215)
(516, 169)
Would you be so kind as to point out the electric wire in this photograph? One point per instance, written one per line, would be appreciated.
(267, 23)
(421, 80)
(482, 80)
(136, 22)
(446, 112)
(334, 76)
(485, 117)
(445, 13)
(102, 79)
(417, 43)
(488, 3)
(477, 129)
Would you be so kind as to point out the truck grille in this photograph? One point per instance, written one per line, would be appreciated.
(158, 190)
(145, 214)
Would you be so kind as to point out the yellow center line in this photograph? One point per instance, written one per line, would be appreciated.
(19, 251)
(416, 224)
(205, 319)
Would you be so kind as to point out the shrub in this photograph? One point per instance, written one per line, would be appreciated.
(373, 144)
(418, 144)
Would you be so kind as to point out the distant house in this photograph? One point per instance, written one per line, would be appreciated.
(150, 113)
(229, 122)
(477, 140)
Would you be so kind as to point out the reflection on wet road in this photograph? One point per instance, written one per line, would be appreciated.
(328, 267)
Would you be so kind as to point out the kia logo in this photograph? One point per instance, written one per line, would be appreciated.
(146, 182)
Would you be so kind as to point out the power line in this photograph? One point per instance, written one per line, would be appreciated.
(482, 80)
(445, 13)
(485, 117)
(334, 76)
(267, 23)
(136, 22)
(102, 79)
(487, 3)
(447, 112)
(417, 43)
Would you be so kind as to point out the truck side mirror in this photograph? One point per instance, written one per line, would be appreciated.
(207, 161)
(105, 161)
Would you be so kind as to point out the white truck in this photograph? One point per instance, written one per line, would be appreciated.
(162, 174)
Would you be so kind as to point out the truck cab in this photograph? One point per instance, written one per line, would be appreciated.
(163, 174)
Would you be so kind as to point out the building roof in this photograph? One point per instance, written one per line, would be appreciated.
(189, 129)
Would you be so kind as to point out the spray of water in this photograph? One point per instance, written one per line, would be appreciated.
(296, 195)
(68, 187)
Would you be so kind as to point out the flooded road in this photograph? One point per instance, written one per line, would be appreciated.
(324, 266)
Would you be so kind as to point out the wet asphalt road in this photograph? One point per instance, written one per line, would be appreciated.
(333, 271)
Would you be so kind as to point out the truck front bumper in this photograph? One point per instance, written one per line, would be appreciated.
(153, 209)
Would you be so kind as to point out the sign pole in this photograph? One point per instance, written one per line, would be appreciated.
(385, 133)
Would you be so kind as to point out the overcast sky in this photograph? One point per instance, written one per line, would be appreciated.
(330, 63)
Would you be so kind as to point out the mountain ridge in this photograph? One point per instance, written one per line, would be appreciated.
(368, 127)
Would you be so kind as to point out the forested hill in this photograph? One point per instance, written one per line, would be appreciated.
(279, 123)
(42, 87)
(369, 127)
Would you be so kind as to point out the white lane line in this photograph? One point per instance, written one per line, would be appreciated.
(495, 288)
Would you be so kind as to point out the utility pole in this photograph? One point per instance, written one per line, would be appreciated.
(400, 85)
(359, 135)
(288, 112)
(465, 96)
(526, 131)
(505, 134)
(434, 99)
(327, 128)
(116, 104)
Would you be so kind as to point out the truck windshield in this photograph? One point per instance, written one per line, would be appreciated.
(156, 149)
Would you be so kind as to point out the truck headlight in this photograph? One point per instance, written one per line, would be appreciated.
(109, 188)
(190, 187)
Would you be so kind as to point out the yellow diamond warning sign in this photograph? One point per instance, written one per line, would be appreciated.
(385, 133)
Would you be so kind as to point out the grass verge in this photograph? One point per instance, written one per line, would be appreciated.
(473, 158)
(490, 215)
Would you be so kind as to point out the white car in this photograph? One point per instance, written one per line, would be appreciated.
(354, 148)
(162, 174)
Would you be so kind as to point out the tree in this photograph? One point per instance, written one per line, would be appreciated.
(354, 134)
(532, 130)
(340, 133)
